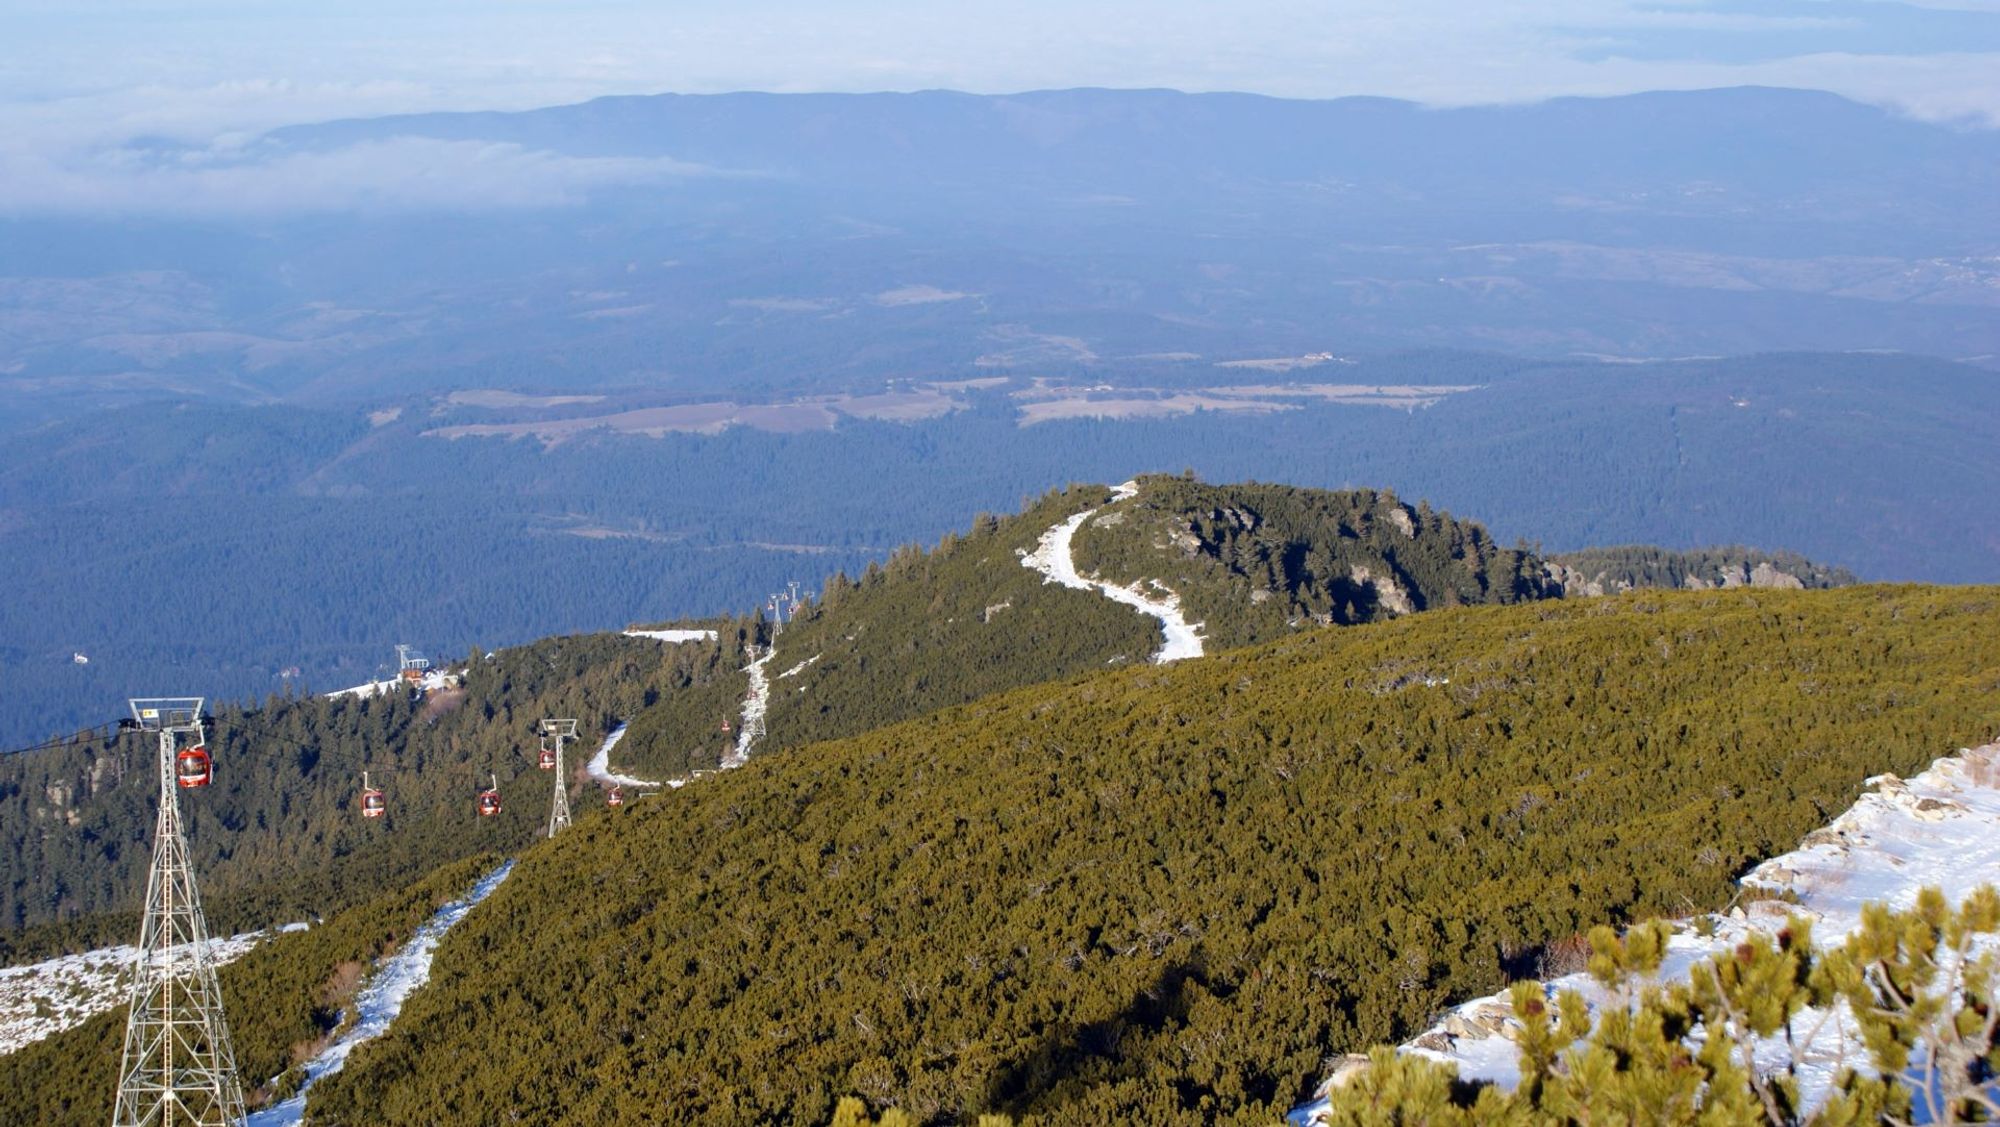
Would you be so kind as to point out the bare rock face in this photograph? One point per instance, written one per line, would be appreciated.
(1437, 1041)
(1388, 593)
(1400, 517)
(1486, 1019)
(1764, 575)
(1573, 583)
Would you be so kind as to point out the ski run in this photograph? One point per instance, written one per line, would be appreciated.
(599, 767)
(1054, 559)
(750, 726)
(379, 1002)
(1940, 829)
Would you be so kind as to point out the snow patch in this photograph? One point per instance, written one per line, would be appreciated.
(376, 1007)
(433, 680)
(795, 670)
(42, 999)
(673, 635)
(1054, 558)
(1940, 829)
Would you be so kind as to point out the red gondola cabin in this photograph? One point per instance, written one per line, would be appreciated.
(547, 760)
(192, 767)
(615, 798)
(489, 803)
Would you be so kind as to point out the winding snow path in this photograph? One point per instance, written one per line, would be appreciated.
(599, 767)
(1054, 557)
(381, 1000)
(1940, 829)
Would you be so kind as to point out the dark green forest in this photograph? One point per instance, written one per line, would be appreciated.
(278, 836)
(1164, 894)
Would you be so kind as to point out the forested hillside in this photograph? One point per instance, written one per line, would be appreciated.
(278, 836)
(1253, 561)
(924, 631)
(929, 629)
(1161, 894)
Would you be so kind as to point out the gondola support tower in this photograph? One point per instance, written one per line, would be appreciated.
(177, 1068)
(560, 732)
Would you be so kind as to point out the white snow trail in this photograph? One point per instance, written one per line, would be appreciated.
(750, 727)
(1054, 558)
(376, 1007)
(599, 767)
(1940, 829)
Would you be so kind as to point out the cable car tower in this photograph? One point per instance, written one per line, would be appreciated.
(178, 1067)
(559, 732)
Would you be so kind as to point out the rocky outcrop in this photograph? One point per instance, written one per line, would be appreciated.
(1388, 593)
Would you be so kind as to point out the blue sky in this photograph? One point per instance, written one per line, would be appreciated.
(81, 78)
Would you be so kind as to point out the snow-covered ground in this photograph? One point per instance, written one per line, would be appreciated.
(1054, 559)
(378, 1003)
(673, 635)
(433, 680)
(1940, 829)
(599, 766)
(750, 727)
(43, 999)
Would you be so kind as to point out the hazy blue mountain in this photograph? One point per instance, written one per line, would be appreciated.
(833, 240)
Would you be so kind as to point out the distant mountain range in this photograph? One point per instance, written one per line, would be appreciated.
(758, 242)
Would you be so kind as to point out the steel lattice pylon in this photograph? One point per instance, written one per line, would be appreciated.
(178, 1069)
(562, 731)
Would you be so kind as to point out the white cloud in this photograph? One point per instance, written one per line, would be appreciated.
(397, 174)
(918, 295)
